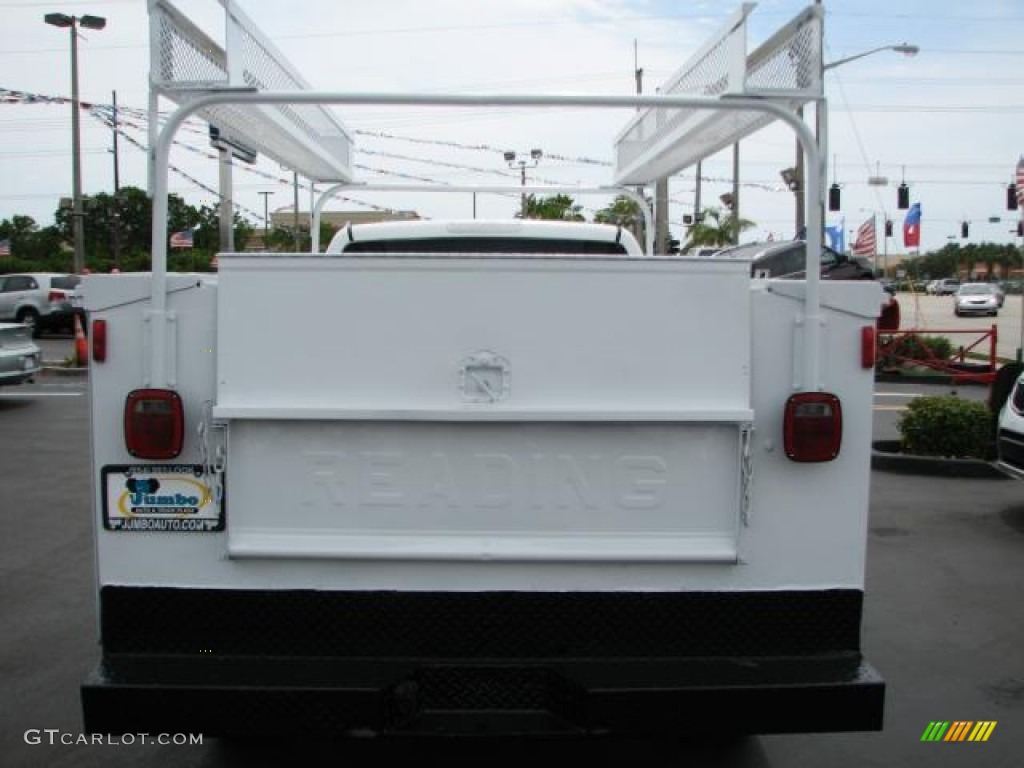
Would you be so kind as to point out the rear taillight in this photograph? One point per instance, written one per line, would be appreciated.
(56, 296)
(154, 423)
(868, 346)
(99, 340)
(813, 427)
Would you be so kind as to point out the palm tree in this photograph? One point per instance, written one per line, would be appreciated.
(715, 230)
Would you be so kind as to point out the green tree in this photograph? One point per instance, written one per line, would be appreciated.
(555, 207)
(32, 247)
(207, 236)
(715, 230)
(623, 212)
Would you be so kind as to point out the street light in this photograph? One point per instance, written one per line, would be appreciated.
(523, 164)
(821, 120)
(72, 22)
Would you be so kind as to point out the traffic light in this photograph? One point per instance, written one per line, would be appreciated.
(888, 227)
(903, 196)
(1011, 197)
(963, 230)
(834, 198)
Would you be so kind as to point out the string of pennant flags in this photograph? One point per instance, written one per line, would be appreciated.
(139, 119)
(131, 118)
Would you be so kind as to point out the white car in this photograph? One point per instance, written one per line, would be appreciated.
(976, 299)
(19, 356)
(1010, 438)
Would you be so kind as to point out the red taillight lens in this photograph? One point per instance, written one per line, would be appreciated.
(99, 340)
(56, 296)
(813, 427)
(154, 423)
(868, 347)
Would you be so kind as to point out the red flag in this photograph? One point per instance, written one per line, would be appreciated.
(866, 243)
(912, 227)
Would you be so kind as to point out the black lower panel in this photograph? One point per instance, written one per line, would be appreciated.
(289, 698)
(484, 625)
(337, 664)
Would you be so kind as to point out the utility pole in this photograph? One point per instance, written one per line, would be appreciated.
(295, 218)
(266, 220)
(117, 190)
(736, 193)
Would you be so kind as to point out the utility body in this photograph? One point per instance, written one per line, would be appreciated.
(423, 492)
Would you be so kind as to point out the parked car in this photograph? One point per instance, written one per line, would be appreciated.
(19, 356)
(976, 299)
(948, 286)
(39, 300)
(787, 259)
(1010, 436)
(1000, 293)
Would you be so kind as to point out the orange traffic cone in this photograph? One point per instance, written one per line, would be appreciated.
(81, 347)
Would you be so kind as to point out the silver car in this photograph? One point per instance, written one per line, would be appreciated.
(40, 300)
(19, 356)
(976, 299)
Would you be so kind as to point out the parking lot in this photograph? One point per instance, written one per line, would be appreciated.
(935, 314)
(944, 620)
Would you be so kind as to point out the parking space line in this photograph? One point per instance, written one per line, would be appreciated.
(11, 395)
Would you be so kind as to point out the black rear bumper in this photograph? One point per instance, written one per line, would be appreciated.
(222, 663)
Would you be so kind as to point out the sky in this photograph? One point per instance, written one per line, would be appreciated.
(947, 121)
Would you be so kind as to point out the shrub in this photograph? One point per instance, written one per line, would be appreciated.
(946, 425)
(923, 348)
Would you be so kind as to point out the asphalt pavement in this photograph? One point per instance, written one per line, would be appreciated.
(944, 622)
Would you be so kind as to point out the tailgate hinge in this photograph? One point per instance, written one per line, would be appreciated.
(213, 449)
(746, 471)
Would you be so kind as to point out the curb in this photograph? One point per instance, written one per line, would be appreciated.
(62, 371)
(885, 456)
(942, 381)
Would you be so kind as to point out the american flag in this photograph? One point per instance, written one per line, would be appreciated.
(1020, 182)
(182, 239)
(866, 243)
(5, 247)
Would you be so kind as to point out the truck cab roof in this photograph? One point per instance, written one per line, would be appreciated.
(485, 236)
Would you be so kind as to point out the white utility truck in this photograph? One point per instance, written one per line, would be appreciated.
(482, 476)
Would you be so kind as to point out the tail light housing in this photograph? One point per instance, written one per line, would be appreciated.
(868, 346)
(99, 340)
(56, 296)
(813, 427)
(154, 423)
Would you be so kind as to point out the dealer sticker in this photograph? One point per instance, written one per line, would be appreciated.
(174, 497)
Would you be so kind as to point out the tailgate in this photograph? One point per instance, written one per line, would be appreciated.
(484, 408)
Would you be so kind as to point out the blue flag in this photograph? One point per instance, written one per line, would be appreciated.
(836, 237)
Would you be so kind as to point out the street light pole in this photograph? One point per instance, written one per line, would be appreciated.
(821, 119)
(77, 213)
(510, 158)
